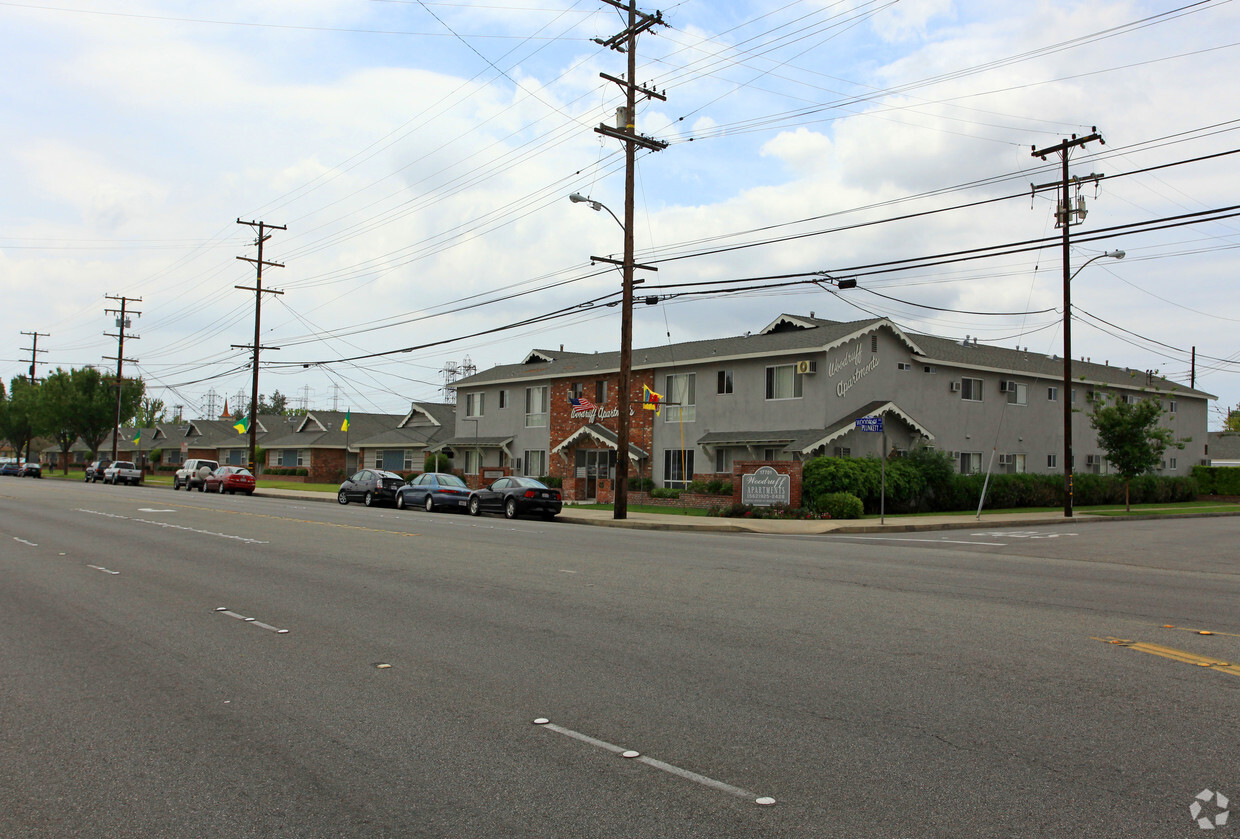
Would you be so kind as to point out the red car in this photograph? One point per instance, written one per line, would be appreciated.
(230, 479)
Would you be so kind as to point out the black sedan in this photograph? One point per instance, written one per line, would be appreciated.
(434, 491)
(371, 487)
(517, 497)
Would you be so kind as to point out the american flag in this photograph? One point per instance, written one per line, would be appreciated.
(581, 403)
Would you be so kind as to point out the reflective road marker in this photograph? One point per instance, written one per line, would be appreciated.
(1172, 653)
(656, 764)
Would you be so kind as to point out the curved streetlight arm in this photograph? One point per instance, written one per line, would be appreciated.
(1112, 254)
(578, 198)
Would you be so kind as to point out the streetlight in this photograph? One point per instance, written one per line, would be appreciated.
(620, 506)
(1067, 377)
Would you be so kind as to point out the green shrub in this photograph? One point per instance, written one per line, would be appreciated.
(840, 505)
(642, 484)
(437, 462)
(664, 492)
(556, 483)
(1217, 480)
(778, 511)
(303, 472)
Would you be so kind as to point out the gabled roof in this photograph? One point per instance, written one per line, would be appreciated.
(602, 434)
(321, 430)
(804, 441)
(1224, 445)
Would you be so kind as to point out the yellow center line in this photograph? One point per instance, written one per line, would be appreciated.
(1182, 656)
(1200, 631)
(295, 521)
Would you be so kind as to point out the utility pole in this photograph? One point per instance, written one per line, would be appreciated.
(34, 351)
(122, 323)
(625, 131)
(258, 308)
(1064, 220)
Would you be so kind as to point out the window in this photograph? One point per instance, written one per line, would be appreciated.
(783, 382)
(1171, 409)
(1172, 462)
(472, 458)
(970, 462)
(681, 400)
(394, 460)
(904, 365)
(843, 451)
(1052, 394)
(725, 381)
(473, 404)
(1130, 398)
(503, 399)
(874, 343)
(535, 408)
(930, 368)
(535, 463)
(677, 468)
(1052, 461)
(1074, 395)
(600, 392)
(577, 390)
(723, 460)
(1019, 462)
(1017, 393)
(290, 457)
(971, 389)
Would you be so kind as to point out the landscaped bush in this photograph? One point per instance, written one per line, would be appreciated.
(664, 492)
(863, 478)
(778, 511)
(437, 462)
(642, 484)
(556, 483)
(1217, 480)
(303, 472)
(840, 505)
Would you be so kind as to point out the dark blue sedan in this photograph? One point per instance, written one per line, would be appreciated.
(434, 491)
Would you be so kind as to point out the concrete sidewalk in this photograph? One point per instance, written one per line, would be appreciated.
(789, 527)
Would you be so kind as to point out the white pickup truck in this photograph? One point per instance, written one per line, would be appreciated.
(122, 472)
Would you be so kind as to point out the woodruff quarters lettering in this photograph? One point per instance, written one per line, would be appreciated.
(595, 414)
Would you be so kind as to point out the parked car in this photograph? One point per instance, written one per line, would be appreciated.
(191, 476)
(230, 479)
(434, 490)
(94, 472)
(10, 467)
(32, 469)
(371, 487)
(517, 496)
(122, 472)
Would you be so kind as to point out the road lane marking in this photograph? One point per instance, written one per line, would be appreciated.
(1182, 656)
(931, 541)
(293, 520)
(154, 510)
(25, 542)
(101, 568)
(1201, 631)
(1022, 534)
(629, 754)
(165, 524)
(224, 610)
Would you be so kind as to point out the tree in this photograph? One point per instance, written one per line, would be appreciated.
(150, 412)
(57, 407)
(1131, 437)
(17, 419)
(95, 405)
(1232, 423)
(277, 403)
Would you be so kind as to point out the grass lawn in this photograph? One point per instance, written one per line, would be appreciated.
(1184, 508)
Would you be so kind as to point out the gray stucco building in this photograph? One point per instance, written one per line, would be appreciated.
(792, 391)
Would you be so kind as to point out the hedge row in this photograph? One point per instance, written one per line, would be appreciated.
(928, 483)
(1217, 480)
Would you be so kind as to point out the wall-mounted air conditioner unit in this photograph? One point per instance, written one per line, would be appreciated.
(955, 387)
(806, 367)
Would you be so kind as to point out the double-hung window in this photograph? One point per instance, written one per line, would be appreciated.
(677, 468)
(971, 390)
(680, 398)
(536, 407)
(474, 403)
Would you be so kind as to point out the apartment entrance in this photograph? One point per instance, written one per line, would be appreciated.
(593, 464)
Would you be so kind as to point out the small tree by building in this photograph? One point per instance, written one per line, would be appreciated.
(1130, 435)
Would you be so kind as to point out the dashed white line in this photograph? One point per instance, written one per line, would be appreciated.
(934, 541)
(655, 764)
(224, 610)
(104, 570)
(245, 539)
(25, 542)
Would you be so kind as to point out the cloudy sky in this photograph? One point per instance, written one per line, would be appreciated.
(420, 155)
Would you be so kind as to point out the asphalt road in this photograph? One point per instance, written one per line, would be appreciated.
(921, 685)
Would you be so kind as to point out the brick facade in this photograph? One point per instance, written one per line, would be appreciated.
(564, 424)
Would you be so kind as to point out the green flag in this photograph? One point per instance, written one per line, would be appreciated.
(243, 426)
(137, 437)
(344, 426)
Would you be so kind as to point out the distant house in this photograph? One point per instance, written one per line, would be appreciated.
(1224, 448)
